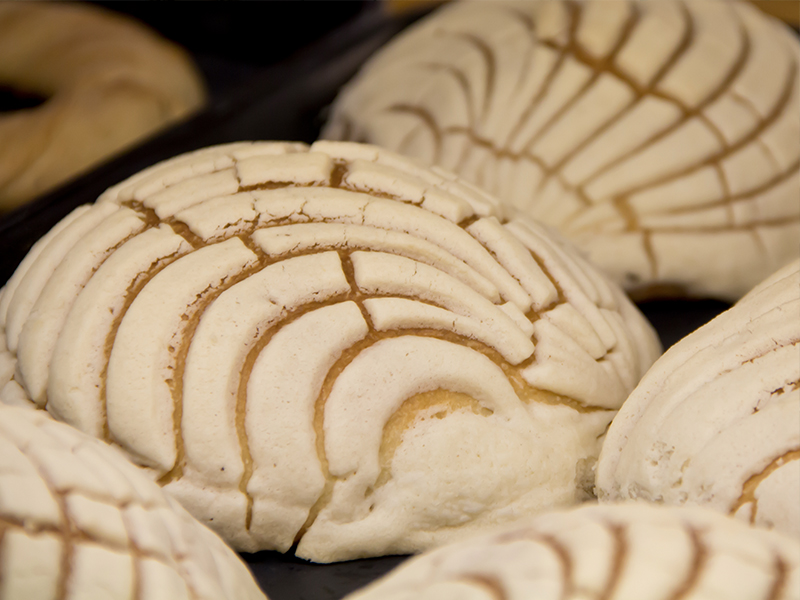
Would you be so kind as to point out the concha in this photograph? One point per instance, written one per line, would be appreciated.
(662, 137)
(623, 552)
(79, 521)
(716, 420)
(330, 346)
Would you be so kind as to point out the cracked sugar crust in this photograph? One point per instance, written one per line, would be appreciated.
(649, 133)
(607, 552)
(715, 420)
(78, 520)
(331, 346)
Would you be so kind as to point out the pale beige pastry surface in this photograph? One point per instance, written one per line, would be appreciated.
(716, 420)
(608, 552)
(330, 345)
(662, 137)
(79, 521)
(108, 81)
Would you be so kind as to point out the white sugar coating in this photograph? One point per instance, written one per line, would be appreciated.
(46, 320)
(714, 421)
(333, 347)
(139, 394)
(99, 545)
(630, 551)
(74, 386)
(648, 133)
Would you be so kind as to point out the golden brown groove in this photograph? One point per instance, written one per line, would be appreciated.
(462, 81)
(688, 113)
(743, 196)
(3, 528)
(605, 64)
(699, 559)
(728, 150)
(750, 486)
(781, 577)
(446, 401)
(618, 560)
(64, 530)
(639, 91)
(241, 396)
(339, 173)
(146, 225)
(190, 322)
(489, 60)
(548, 80)
(427, 119)
(131, 293)
(555, 546)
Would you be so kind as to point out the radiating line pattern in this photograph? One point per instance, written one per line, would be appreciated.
(329, 346)
(78, 520)
(606, 552)
(651, 133)
(716, 420)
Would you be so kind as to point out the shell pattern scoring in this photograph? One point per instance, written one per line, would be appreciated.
(79, 521)
(607, 552)
(716, 420)
(650, 133)
(331, 346)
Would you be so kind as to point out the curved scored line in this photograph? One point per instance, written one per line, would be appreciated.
(489, 60)
(462, 81)
(528, 25)
(244, 379)
(130, 295)
(548, 81)
(180, 353)
(639, 91)
(742, 197)
(722, 228)
(64, 529)
(751, 485)
(425, 118)
(699, 559)
(733, 148)
(618, 561)
(734, 72)
(558, 549)
(781, 568)
(597, 66)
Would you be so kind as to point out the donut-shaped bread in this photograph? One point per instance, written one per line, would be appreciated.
(78, 520)
(108, 82)
(716, 420)
(331, 346)
(661, 137)
(608, 552)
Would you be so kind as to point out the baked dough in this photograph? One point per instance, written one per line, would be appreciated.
(716, 420)
(108, 80)
(328, 344)
(662, 137)
(624, 552)
(78, 520)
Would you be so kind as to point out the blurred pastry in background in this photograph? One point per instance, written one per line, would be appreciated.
(106, 82)
(662, 137)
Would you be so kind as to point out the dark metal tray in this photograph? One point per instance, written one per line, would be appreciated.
(283, 101)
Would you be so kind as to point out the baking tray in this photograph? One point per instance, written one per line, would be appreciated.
(282, 101)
